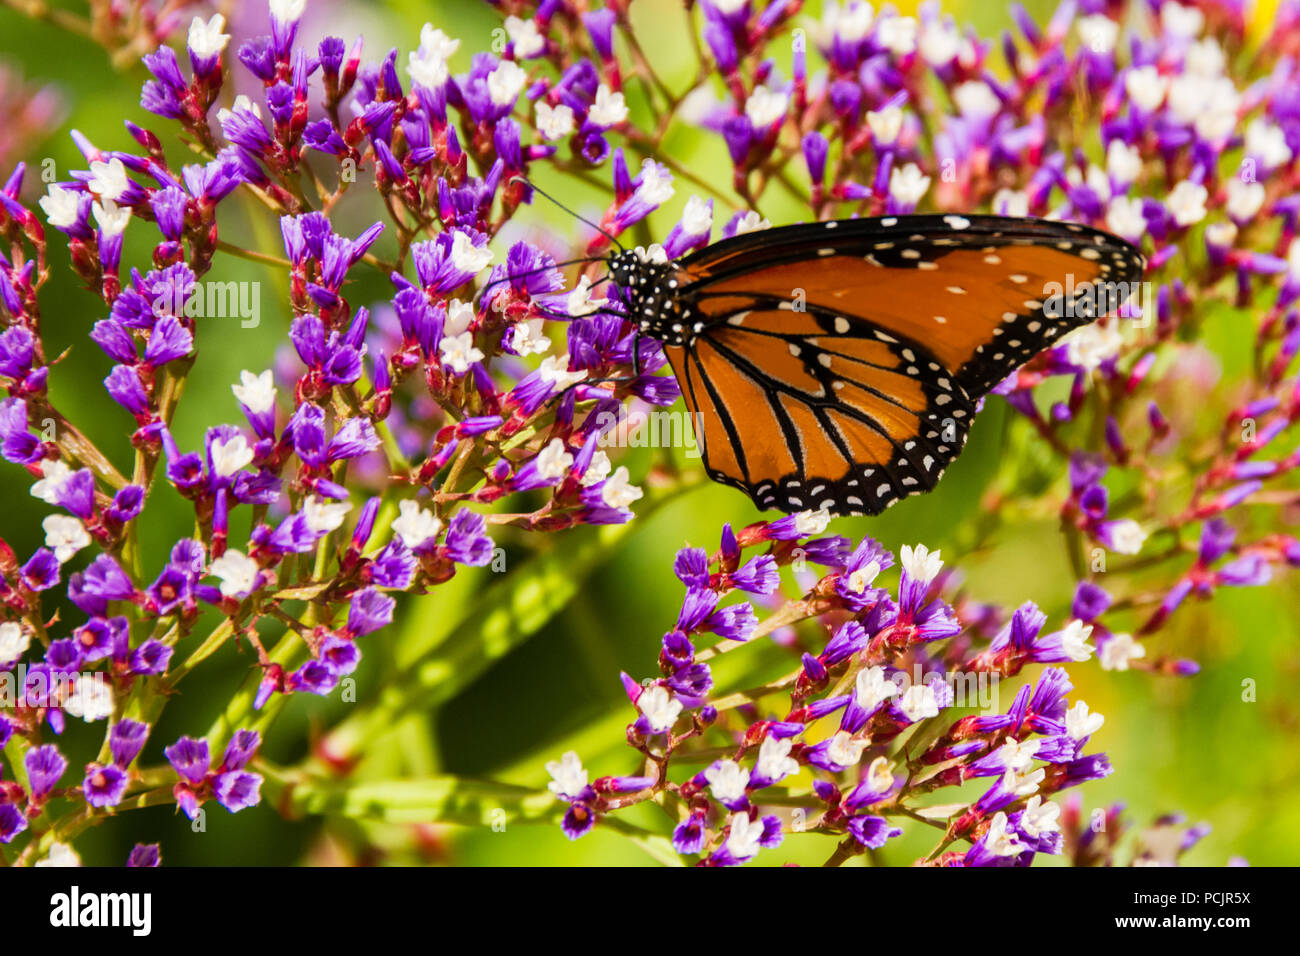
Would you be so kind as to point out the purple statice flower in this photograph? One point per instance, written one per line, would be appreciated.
(144, 854)
(45, 765)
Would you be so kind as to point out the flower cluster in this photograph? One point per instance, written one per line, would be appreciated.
(864, 730)
(394, 438)
(434, 400)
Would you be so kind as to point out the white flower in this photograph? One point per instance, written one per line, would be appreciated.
(239, 573)
(554, 371)
(774, 761)
(554, 122)
(1126, 536)
(460, 316)
(1079, 723)
(242, 104)
(597, 471)
(60, 855)
(750, 222)
(428, 65)
(554, 461)
(55, 473)
(287, 11)
(1205, 57)
(1244, 199)
(14, 642)
(568, 776)
(1123, 162)
(1017, 756)
(415, 525)
(844, 749)
(1292, 264)
(458, 352)
(1097, 181)
(727, 781)
(659, 707)
(111, 217)
(229, 455)
(506, 82)
(91, 698)
(617, 492)
(1216, 125)
(609, 108)
(1000, 841)
(811, 522)
(976, 98)
(528, 338)
(1264, 141)
(1203, 101)
(255, 392)
(437, 43)
(468, 257)
(743, 839)
(940, 42)
(1091, 345)
(1120, 651)
(1074, 641)
(697, 217)
(108, 179)
(64, 535)
(1023, 784)
(908, 184)
(60, 206)
(871, 687)
(323, 515)
(897, 34)
(206, 39)
(921, 564)
(580, 302)
(1222, 234)
(1098, 32)
(1146, 87)
(765, 107)
(1124, 218)
(880, 775)
(862, 578)
(1040, 817)
(1011, 202)
(849, 23)
(918, 702)
(885, 124)
(656, 186)
(525, 37)
(427, 69)
(1180, 21)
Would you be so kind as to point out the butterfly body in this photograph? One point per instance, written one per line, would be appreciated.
(837, 364)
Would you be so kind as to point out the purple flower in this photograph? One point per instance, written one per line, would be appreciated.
(45, 765)
(466, 541)
(104, 786)
(238, 789)
(368, 611)
(12, 822)
(190, 759)
(144, 854)
(126, 740)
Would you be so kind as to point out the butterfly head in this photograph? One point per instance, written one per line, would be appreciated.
(651, 286)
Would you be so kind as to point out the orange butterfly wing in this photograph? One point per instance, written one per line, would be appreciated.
(836, 365)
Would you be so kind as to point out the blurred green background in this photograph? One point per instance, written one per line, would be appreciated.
(1188, 745)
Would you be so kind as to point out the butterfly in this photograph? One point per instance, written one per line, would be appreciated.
(837, 365)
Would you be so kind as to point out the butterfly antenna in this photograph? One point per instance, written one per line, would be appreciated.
(530, 272)
(561, 205)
